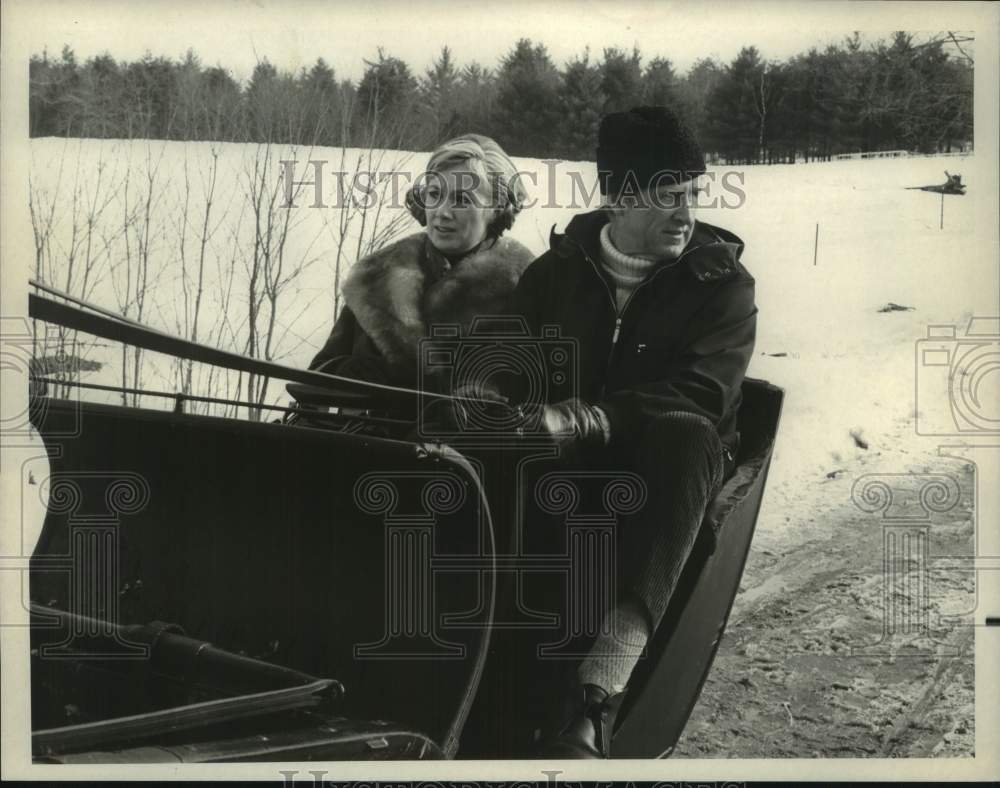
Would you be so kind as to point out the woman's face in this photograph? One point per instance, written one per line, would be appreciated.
(459, 205)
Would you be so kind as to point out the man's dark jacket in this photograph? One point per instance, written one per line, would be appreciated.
(682, 342)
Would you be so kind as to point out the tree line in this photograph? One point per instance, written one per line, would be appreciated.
(890, 94)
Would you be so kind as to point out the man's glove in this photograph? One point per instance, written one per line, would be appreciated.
(573, 423)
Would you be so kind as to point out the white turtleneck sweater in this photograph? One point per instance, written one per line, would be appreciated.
(626, 271)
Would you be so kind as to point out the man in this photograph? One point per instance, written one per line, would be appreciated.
(664, 316)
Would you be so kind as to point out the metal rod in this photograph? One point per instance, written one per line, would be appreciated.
(816, 244)
(219, 401)
(126, 331)
(101, 323)
(80, 302)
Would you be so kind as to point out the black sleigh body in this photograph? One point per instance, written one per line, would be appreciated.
(217, 589)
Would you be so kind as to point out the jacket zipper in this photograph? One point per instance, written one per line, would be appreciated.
(614, 305)
(618, 319)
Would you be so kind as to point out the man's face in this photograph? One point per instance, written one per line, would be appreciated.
(657, 224)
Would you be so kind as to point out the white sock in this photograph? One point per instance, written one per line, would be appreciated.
(614, 654)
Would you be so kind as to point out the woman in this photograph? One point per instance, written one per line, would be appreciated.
(460, 267)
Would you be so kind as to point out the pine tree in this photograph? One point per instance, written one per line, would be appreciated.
(737, 107)
(41, 96)
(189, 98)
(59, 83)
(222, 115)
(321, 94)
(386, 98)
(261, 101)
(693, 95)
(475, 100)
(439, 97)
(582, 99)
(659, 84)
(528, 86)
(621, 80)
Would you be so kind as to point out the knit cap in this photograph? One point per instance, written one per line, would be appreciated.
(652, 143)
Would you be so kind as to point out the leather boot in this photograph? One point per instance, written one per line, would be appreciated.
(588, 732)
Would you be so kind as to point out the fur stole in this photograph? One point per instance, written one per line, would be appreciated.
(399, 292)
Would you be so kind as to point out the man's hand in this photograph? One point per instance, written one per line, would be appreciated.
(573, 424)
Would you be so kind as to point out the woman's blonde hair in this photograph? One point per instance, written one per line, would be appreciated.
(508, 191)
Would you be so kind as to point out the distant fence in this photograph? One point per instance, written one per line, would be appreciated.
(875, 154)
(716, 160)
(895, 154)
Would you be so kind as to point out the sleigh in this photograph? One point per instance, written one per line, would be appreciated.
(211, 589)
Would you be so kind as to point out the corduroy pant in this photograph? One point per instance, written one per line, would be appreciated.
(683, 463)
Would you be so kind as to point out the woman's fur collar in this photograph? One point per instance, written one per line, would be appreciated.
(398, 293)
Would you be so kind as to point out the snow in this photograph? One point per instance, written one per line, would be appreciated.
(848, 367)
